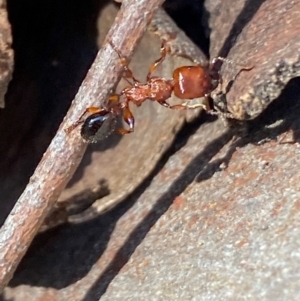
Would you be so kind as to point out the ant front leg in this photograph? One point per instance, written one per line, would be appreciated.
(128, 118)
(164, 50)
(128, 74)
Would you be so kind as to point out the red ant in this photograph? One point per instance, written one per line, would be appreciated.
(188, 82)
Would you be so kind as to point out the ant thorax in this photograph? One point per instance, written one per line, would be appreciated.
(160, 89)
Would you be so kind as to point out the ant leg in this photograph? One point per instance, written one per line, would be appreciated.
(216, 64)
(186, 105)
(113, 100)
(164, 104)
(128, 118)
(80, 120)
(164, 50)
(128, 74)
(218, 59)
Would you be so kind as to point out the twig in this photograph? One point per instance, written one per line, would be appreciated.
(167, 30)
(65, 151)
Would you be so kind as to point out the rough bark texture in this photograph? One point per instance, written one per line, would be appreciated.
(265, 36)
(6, 52)
(65, 151)
(120, 164)
(218, 217)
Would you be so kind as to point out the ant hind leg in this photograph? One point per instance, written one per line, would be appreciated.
(128, 118)
(91, 110)
(187, 105)
(113, 101)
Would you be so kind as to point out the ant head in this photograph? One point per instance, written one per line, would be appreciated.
(98, 126)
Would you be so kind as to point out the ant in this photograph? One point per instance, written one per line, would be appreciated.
(188, 82)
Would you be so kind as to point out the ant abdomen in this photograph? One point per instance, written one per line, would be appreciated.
(98, 126)
(191, 82)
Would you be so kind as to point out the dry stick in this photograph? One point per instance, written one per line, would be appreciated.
(163, 26)
(66, 150)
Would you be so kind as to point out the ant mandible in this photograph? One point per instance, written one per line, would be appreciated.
(188, 82)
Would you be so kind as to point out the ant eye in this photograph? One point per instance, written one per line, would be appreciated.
(98, 126)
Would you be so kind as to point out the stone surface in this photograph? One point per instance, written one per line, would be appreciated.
(216, 219)
(219, 220)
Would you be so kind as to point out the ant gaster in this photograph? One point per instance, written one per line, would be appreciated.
(188, 82)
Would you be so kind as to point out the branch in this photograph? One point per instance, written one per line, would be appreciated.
(66, 150)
